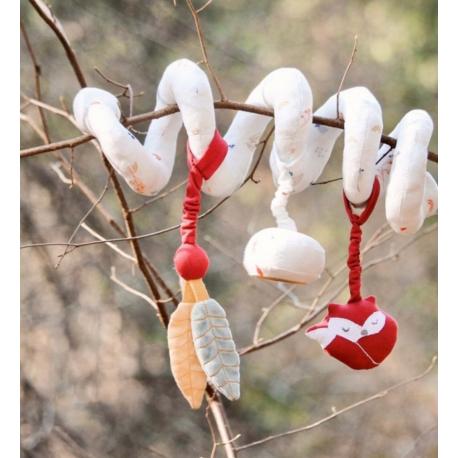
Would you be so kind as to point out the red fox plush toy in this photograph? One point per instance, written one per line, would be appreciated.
(358, 333)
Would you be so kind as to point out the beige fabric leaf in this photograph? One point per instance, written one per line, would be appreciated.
(186, 368)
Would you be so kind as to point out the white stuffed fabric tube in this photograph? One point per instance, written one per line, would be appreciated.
(363, 129)
(147, 169)
(281, 253)
(288, 93)
(411, 192)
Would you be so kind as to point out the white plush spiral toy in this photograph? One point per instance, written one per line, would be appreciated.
(299, 154)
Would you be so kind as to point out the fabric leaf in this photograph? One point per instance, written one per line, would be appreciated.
(215, 347)
(186, 368)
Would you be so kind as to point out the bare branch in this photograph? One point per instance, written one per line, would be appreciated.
(52, 109)
(350, 62)
(160, 196)
(207, 3)
(378, 395)
(131, 290)
(111, 245)
(48, 16)
(203, 47)
(226, 104)
(265, 313)
(33, 125)
(86, 191)
(127, 89)
(109, 218)
(37, 73)
(215, 406)
(332, 180)
(82, 220)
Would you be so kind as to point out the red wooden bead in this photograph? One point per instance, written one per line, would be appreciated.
(191, 261)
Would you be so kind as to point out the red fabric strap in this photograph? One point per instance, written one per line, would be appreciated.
(354, 261)
(191, 261)
(199, 169)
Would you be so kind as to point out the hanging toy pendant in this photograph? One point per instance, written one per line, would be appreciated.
(283, 253)
(358, 333)
(213, 343)
(201, 346)
(185, 365)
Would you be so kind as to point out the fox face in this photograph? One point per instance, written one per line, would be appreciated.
(358, 334)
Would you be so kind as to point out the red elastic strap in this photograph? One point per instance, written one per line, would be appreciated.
(354, 261)
(199, 170)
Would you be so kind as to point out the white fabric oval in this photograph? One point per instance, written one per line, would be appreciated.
(284, 255)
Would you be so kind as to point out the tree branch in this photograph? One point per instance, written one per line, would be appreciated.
(379, 395)
(37, 73)
(227, 104)
(203, 47)
(48, 16)
(131, 290)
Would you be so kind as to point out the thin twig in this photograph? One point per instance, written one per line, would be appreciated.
(215, 406)
(83, 219)
(86, 191)
(265, 313)
(260, 155)
(207, 3)
(127, 88)
(332, 180)
(203, 48)
(45, 106)
(48, 16)
(111, 245)
(212, 431)
(33, 125)
(109, 218)
(160, 196)
(350, 62)
(37, 72)
(131, 290)
(378, 395)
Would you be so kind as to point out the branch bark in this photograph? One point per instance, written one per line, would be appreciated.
(226, 104)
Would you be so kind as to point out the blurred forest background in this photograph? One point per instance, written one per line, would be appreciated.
(96, 380)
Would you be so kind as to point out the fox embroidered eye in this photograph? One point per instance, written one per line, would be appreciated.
(374, 322)
(345, 329)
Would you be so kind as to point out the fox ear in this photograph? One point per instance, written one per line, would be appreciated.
(333, 309)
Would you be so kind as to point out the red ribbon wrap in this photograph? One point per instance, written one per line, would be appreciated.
(191, 260)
